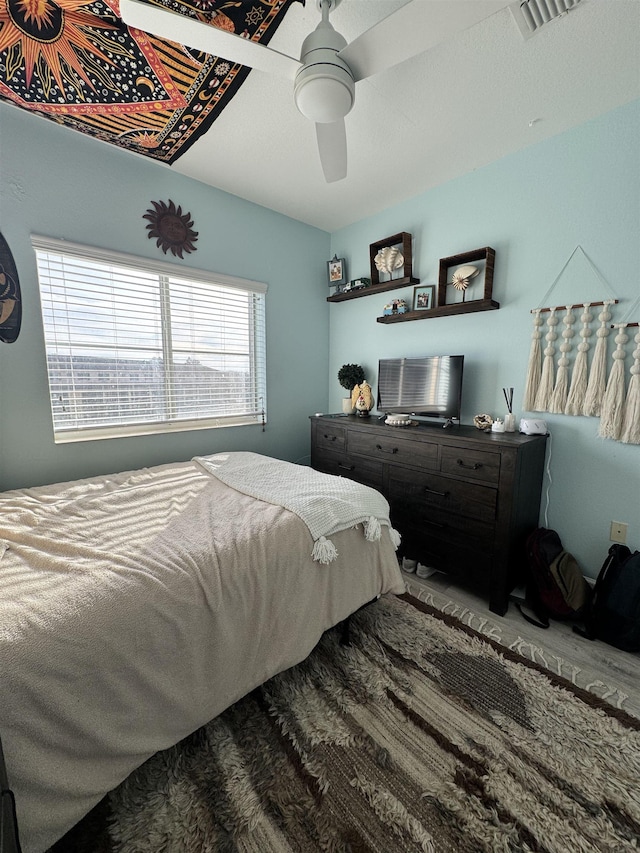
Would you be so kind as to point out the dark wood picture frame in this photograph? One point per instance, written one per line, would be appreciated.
(403, 241)
(486, 255)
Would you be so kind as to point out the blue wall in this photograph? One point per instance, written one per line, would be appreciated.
(581, 188)
(534, 208)
(58, 183)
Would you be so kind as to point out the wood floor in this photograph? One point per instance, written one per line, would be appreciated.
(610, 673)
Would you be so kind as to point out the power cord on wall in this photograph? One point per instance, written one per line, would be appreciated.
(549, 482)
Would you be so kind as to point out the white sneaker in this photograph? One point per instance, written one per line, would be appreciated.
(409, 565)
(424, 571)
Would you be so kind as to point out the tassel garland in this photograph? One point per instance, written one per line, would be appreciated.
(534, 369)
(561, 390)
(613, 401)
(578, 389)
(597, 377)
(631, 419)
(545, 389)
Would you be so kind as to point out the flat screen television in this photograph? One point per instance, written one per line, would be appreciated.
(429, 387)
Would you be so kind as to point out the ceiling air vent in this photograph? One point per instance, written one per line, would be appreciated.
(531, 15)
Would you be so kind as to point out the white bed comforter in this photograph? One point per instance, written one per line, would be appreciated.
(134, 608)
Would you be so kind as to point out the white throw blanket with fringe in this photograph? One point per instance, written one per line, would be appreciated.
(324, 502)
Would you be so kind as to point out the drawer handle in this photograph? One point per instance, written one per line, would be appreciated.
(384, 449)
(433, 492)
(330, 437)
(473, 467)
(347, 467)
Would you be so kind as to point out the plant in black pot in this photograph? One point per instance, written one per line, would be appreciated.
(349, 376)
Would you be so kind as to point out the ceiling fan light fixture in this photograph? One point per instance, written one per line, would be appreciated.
(323, 97)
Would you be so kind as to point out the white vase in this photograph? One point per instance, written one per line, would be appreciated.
(347, 408)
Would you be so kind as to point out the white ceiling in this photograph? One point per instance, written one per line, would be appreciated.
(465, 103)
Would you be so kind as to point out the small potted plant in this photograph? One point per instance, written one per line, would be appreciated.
(349, 376)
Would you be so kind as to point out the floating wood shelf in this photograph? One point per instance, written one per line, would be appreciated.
(394, 284)
(469, 307)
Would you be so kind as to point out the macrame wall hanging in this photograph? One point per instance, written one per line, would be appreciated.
(584, 389)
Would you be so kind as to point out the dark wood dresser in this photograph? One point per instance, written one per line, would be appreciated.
(464, 501)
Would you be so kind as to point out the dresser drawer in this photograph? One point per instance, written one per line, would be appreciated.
(331, 437)
(446, 526)
(472, 464)
(423, 491)
(362, 470)
(394, 449)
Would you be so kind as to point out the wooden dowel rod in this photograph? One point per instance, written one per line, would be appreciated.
(628, 325)
(577, 305)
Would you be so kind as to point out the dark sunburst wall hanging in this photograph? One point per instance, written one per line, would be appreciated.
(76, 63)
(10, 304)
(171, 228)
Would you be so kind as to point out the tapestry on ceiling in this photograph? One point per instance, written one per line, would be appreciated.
(76, 63)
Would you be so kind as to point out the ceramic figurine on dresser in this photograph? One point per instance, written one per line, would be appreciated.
(362, 399)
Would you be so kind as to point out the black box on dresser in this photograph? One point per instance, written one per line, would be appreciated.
(463, 500)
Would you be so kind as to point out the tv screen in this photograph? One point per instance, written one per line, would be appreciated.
(430, 387)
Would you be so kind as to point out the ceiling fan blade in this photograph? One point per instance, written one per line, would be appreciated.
(196, 34)
(332, 145)
(411, 30)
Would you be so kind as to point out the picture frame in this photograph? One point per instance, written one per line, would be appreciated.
(478, 286)
(337, 272)
(404, 274)
(424, 297)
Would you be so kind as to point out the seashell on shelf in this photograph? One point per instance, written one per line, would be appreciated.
(389, 259)
(483, 422)
(462, 275)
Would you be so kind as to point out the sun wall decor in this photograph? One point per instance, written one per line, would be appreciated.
(171, 228)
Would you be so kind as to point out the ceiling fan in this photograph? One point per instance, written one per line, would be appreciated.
(328, 69)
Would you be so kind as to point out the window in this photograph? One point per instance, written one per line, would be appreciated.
(136, 346)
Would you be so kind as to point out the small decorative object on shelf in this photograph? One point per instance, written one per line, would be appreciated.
(397, 306)
(355, 284)
(388, 260)
(424, 296)
(460, 278)
(391, 260)
(337, 273)
(510, 418)
(497, 425)
(483, 422)
(468, 273)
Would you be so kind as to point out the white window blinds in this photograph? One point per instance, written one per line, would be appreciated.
(136, 346)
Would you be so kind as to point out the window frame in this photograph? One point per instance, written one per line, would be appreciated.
(164, 270)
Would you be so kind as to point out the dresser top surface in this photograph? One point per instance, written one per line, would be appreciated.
(434, 432)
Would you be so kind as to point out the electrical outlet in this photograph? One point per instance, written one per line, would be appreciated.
(618, 532)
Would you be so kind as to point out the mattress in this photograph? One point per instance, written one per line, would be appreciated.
(136, 607)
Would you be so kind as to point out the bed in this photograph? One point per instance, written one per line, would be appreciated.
(136, 607)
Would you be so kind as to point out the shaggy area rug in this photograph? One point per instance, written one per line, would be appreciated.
(422, 735)
(509, 634)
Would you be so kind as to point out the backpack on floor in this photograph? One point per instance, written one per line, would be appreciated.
(614, 613)
(556, 587)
